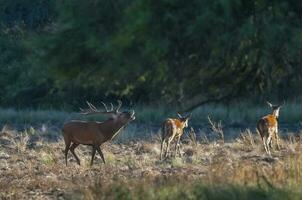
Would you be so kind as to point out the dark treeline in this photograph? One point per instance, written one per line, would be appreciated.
(55, 53)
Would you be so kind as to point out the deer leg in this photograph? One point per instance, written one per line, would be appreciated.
(72, 147)
(92, 155)
(271, 143)
(268, 143)
(100, 152)
(264, 144)
(168, 147)
(277, 140)
(67, 145)
(177, 148)
(161, 149)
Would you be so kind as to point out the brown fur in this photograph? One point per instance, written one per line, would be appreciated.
(267, 128)
(172, 129)
(93, 133)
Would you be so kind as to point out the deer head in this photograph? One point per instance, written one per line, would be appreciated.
(185, 119)
(275, 108)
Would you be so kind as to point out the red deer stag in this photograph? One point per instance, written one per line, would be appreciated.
(267, 128)
(172, 129)
(94, 133)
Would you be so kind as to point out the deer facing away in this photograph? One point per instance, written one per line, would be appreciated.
(172, 129)
(267, 128)
(94, 133)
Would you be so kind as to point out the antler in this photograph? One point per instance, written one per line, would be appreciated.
(93, 110)
(119, 106)
(106, 107)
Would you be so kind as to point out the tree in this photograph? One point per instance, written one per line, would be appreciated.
(166, 51)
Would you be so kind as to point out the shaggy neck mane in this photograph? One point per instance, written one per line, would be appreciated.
(111, 127)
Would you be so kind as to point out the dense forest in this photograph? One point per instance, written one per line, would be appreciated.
(172, 52)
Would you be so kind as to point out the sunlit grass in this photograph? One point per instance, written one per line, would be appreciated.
(238, 169)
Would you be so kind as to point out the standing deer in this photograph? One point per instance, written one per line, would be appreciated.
(94, 133)
(172, 129)
(267, 127)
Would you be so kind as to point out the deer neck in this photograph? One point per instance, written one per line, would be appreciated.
(111, 128)
(276, 113)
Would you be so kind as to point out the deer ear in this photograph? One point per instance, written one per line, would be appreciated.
(270, 105)
(179, 115)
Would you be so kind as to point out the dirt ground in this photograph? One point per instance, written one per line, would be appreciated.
(35, 169)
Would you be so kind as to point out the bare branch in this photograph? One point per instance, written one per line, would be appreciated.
(216, 128)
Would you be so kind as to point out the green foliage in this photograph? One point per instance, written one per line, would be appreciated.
(26, 14)
(185, 190)
(22, 82)
(149, 51)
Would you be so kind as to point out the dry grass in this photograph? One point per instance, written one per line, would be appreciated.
(36, 169)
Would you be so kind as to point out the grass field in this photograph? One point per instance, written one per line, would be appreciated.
(234, 119)
(32, 167)
(211, 167)
(236, 113)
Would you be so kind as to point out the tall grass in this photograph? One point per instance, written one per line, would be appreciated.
(235, 170)
(189, 190)
(239, 179)
(240, 113)
(244, 113)
(33, 116)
